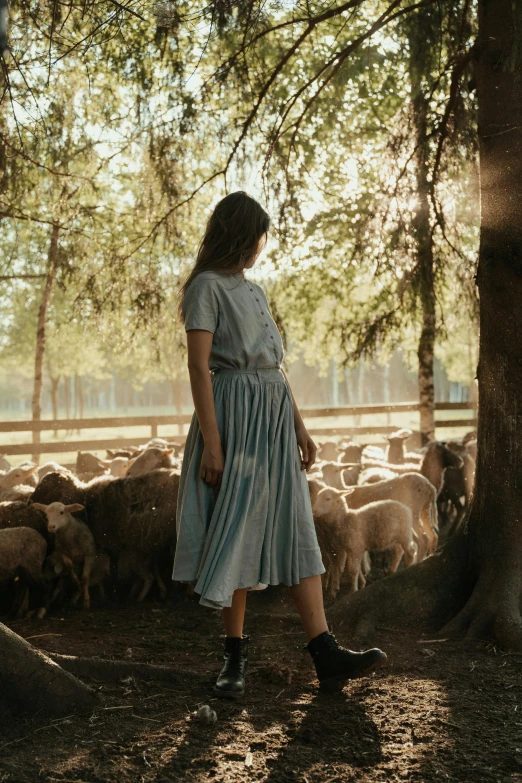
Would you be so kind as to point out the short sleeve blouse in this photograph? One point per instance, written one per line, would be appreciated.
(236, 311)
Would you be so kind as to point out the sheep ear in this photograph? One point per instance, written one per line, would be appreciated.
(74, 507)
(348, 491)
(40, 507)
(32, 470)
(169, 451)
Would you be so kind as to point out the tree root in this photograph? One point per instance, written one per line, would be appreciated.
(31, 680)
(493, 610)
(426, 595)
(106, 669)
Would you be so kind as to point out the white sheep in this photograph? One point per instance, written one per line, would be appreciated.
(396, 452)
(385, 524)
(412, 489)
(15, 477)
(374, 452)
(339, 474)
(74, 541)
(119, 466)
(372, 475)
(151, 458)
(51, 467)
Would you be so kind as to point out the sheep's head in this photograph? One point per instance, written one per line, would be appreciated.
(314, 487)
(16, 476)
(330, 500)
(58, 514)
(448, 458)
(151, 458)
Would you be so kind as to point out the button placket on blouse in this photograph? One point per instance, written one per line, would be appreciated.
(262, 313)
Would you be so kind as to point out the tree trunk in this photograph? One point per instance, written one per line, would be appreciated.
(80, 396)
(176, 394)
(55, 383)
(419, 64)
(30, 680)
(67, 392)
(40, 333)
(478, 576)
(495, 524)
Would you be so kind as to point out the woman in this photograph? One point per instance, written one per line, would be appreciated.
(244, 516)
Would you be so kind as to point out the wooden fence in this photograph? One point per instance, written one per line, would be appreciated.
(61, 446)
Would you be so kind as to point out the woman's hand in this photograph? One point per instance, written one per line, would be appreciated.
(307, 446)
(212, 464)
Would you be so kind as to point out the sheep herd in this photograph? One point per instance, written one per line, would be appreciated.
(368, 502)
(111, 523)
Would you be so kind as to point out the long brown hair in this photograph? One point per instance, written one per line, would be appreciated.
(231, 238)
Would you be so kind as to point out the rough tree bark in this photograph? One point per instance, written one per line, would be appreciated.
(419, 61)
(474, 586)
(30, 680)
(52, 265)
(55, 385)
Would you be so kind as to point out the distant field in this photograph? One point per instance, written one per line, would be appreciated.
(142, 433)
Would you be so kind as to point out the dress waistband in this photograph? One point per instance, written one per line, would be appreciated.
(263, 373)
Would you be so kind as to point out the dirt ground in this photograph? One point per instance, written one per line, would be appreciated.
(436, 712)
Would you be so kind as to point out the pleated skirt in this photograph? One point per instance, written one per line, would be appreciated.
(258, 528)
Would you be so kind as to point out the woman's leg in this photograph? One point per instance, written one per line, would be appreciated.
(308, 598)
(234, 616)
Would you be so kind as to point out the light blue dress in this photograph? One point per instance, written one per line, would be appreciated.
(257, 529)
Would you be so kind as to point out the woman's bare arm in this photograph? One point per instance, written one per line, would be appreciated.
(304, 441)
(199, 346)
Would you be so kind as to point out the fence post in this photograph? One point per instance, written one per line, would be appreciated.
(153, 430)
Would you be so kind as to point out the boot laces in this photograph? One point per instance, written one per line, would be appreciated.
(331, 643)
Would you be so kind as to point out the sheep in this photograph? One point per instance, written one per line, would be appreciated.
(335, 474)
(471, 449)
(89, 463)
(437, 458)
(351, 454)
(22, 552)
(457, 488)
(314, 487)
(328, 451)
(16, 476)
(51, 467)
(150, 459)
(372, 475)
(73, 540)
(412, 489)
(119, 466)
(373, 452)
(377, 526)
(132, 563)
(129, 453)
(20, 514)
(137, 512)
(20, 492)
(396, 453)
(59, 568)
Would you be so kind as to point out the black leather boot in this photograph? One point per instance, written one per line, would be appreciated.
(231, 680)
(335, 664)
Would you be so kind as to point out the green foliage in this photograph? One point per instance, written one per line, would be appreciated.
(124, 130)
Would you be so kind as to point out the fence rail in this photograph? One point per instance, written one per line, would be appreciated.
(56, 425)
